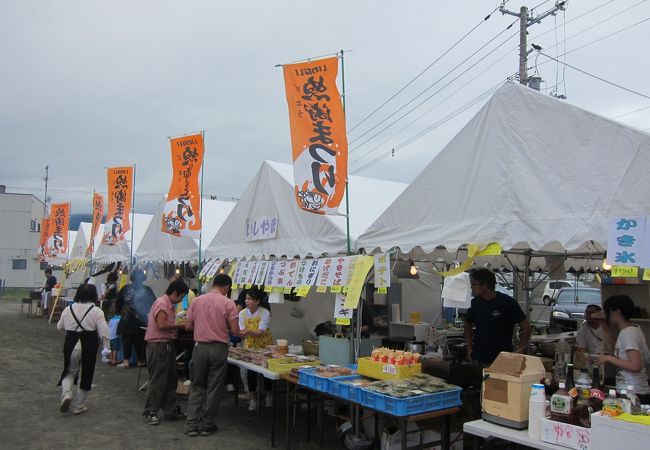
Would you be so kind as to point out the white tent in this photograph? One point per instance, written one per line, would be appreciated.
(157, 246)
(80, 243)
(122, 251)
(299, 233)
(72, 237)
(529, 172)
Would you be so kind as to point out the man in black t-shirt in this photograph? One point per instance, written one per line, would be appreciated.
(50, 280)
(491, 319)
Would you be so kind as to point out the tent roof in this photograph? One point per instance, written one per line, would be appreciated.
(80, 243)
(300, 233)
(527, 171)
(215, 213)
(122, 251)
(72, 237)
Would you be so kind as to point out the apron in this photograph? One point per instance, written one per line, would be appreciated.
(89, 347)
(253, 324)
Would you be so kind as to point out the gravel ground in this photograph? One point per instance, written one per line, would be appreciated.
(30, 364)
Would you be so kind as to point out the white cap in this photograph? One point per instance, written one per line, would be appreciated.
(612, 392)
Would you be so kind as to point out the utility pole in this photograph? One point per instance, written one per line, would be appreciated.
(526, 20)
(47, 168)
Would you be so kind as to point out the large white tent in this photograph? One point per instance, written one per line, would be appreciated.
(533, 173)
(122, 251)
(157, 246)
(299, 233)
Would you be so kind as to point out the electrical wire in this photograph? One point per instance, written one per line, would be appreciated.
(423, 71)
(427, 89)
(430, 128)
(597, 77)
(632, 112)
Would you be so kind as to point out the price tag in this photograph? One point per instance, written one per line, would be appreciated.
(417, 392)
(646, 274)
(234, 286)
(248, 286)
(321, 289)
(382, 290)
(390, 369)
(343, 321)
(268, 288)
(335, 289)
(302, 291)
(287, 290)
(625, 271)
(345, 289)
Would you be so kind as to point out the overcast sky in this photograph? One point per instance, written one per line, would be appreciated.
(89, 84)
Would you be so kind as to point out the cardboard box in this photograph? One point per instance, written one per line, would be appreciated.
(567, 435)
(506, 388)
(608, 433)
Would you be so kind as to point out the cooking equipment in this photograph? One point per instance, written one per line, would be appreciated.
(415, 347)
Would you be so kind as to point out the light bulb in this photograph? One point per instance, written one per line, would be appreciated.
(414, 269)
(606, 266)
(178, 271)
(145, 272)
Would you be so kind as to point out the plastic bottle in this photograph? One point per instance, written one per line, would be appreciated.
(562, 357)
(570, 384)
(610, 405)
(583, 409)
(536, 410)
(584, 380)
(636, 404)
(624, 402)
(562, 405)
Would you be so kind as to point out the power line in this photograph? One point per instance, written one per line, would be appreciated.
(430, 128)
(429, 87)
(597, 77)
(632, 112)
(423, 71)
(435, 93)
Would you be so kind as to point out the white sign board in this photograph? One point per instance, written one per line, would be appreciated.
(340, 311)
(625, 240)
(382, 270)
(260, 228)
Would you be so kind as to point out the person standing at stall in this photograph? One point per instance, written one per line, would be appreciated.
(161, 355)
(133, 305)
(631, 352)
(254, 321)
(83, 323)
(589, 337)
(211, 316)
(490, 321)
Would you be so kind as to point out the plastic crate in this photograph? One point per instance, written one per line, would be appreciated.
(284, 365)
(385, 371)
(309, 378)
(346, 391)
(411, 405)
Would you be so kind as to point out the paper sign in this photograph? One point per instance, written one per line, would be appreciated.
(292, 273)
(287, 290)
(646, 274)
(260, 228)
(625, 271)
(307, 272)
(253, 267)
(233, 269)
(566, 435)
(340, 311)
(335, 289)
(625, 240)
(261, 273)
(389, 369)
(326, 274)
(276, 297)
(345, 322)
(344, 289)
(280, 275)
(382, 270)
(321, 289)
(382, 290)
(124, 278)
(248, 286)
(234, 286)
(302, 291)
(492, 249)
(417, 392)
(361, 269)
(268, 288)
(206, 268)
(341, 267)
(271, 272)
(213, 269)
(244, 268)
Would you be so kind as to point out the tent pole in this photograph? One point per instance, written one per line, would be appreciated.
(201, 206)
(132, 218)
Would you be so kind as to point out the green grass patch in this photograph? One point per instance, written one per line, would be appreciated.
(14, 293)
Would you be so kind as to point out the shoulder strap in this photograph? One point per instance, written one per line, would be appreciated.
(82, 318)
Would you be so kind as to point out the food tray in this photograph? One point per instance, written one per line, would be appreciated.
(385, 371)
(346, 391)
(309, 378)
(284, 365)
(411, 405)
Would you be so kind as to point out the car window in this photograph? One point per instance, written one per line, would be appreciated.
(583, 296)
(555, 285)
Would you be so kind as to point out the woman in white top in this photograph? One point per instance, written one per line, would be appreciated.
(630, 351)
(85, 325)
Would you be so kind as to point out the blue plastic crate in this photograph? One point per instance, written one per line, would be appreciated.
(346, 391)
(309, 378)
(411, 405)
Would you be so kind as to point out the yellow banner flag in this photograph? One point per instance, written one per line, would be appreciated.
(361, 269)
(318, 135)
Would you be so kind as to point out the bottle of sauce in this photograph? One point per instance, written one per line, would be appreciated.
(596, 395)
(570, 384)
(562, 357)
(562, 405)
(583, 409)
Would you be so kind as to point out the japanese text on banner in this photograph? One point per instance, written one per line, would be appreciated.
(382, 270)
(43, 251)
(261, 228)
(625, 240)
(340, 310)
(98, 214)
(361, 269)
(181, 215)
(59, 225)
(120, 194)
(318, 135)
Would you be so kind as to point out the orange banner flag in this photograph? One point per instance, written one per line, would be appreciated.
(182, 213)
(318, 134)
(120, 194)
(59, 228)
(43, 251)
(98, 214)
